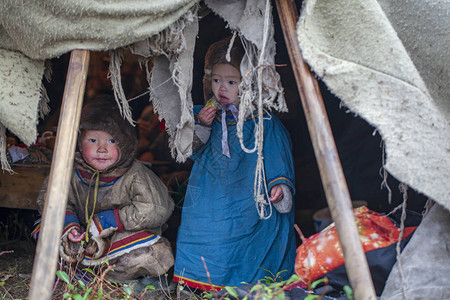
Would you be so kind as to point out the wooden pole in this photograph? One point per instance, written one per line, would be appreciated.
(335, 186)
(47, 251)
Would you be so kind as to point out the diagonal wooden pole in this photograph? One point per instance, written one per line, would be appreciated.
(45, 261)
(335, 186)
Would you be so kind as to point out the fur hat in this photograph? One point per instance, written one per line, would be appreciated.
(217, 54)
(103, 114)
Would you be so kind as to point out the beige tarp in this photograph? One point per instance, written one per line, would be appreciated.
(389, 63)
(33, 31)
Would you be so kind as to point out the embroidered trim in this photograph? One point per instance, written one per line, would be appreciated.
(109, 180)
(126, 245)
(281, 178)
(196, 284)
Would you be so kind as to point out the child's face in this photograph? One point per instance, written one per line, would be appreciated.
(99, 149)
(225, 82)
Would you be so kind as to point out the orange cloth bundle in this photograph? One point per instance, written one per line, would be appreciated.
(322, 252)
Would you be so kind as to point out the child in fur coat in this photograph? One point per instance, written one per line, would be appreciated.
(116, 204)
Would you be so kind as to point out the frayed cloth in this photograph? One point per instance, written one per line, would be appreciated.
(384, 60)
(425, 261)
(171, 80)
(20, 92)
(39, 31)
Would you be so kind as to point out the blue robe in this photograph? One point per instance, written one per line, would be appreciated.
(220, 221)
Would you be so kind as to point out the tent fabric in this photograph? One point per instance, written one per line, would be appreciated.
(425, 261)
(20, 94)
(170, 80)
(388, 62)
(34, 31)
(44, 30)
(48, 29)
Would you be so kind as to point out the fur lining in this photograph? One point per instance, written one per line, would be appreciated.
(104, 114)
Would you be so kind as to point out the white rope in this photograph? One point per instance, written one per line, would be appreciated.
(404, 189)
(383, 173)
(228, 56)
(261, 193)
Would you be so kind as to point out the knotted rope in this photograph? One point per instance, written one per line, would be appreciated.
(88, 217)
(261, 193)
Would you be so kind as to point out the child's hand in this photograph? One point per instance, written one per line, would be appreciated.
(276, 194)
(206, 115)
(75, 236)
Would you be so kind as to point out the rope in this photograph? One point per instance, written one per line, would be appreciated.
(228, 56)
(88, 217)
(261, 193)
(384, 173)
(404, 189)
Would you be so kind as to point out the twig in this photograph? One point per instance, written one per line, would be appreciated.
(57, 277)
(100, 281)
(209, 278)
(6, 291)
(325, 281)
(5, 252)
(166, 293)
(286, 287)
(302, 237)
(300, 233)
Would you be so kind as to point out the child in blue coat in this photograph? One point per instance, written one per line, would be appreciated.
(220, 222)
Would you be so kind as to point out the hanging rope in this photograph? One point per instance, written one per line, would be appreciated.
(88, 217)
(384, 173)
(261, 193)
(404, 190)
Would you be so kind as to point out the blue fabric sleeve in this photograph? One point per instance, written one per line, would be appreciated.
(278, 160)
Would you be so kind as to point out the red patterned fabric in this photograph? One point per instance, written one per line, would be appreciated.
(322, 252)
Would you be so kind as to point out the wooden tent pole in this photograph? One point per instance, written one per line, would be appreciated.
(336, 190)
(47, 251)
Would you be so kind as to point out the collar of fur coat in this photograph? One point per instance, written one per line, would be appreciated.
(105, 176)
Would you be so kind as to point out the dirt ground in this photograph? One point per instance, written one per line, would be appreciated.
(16, 264)
(16, 252)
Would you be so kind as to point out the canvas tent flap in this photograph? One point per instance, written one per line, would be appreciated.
(20, 93)
(171, 80)
(388, 62)
(48, 29)
(33, 31)
(423, 276)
